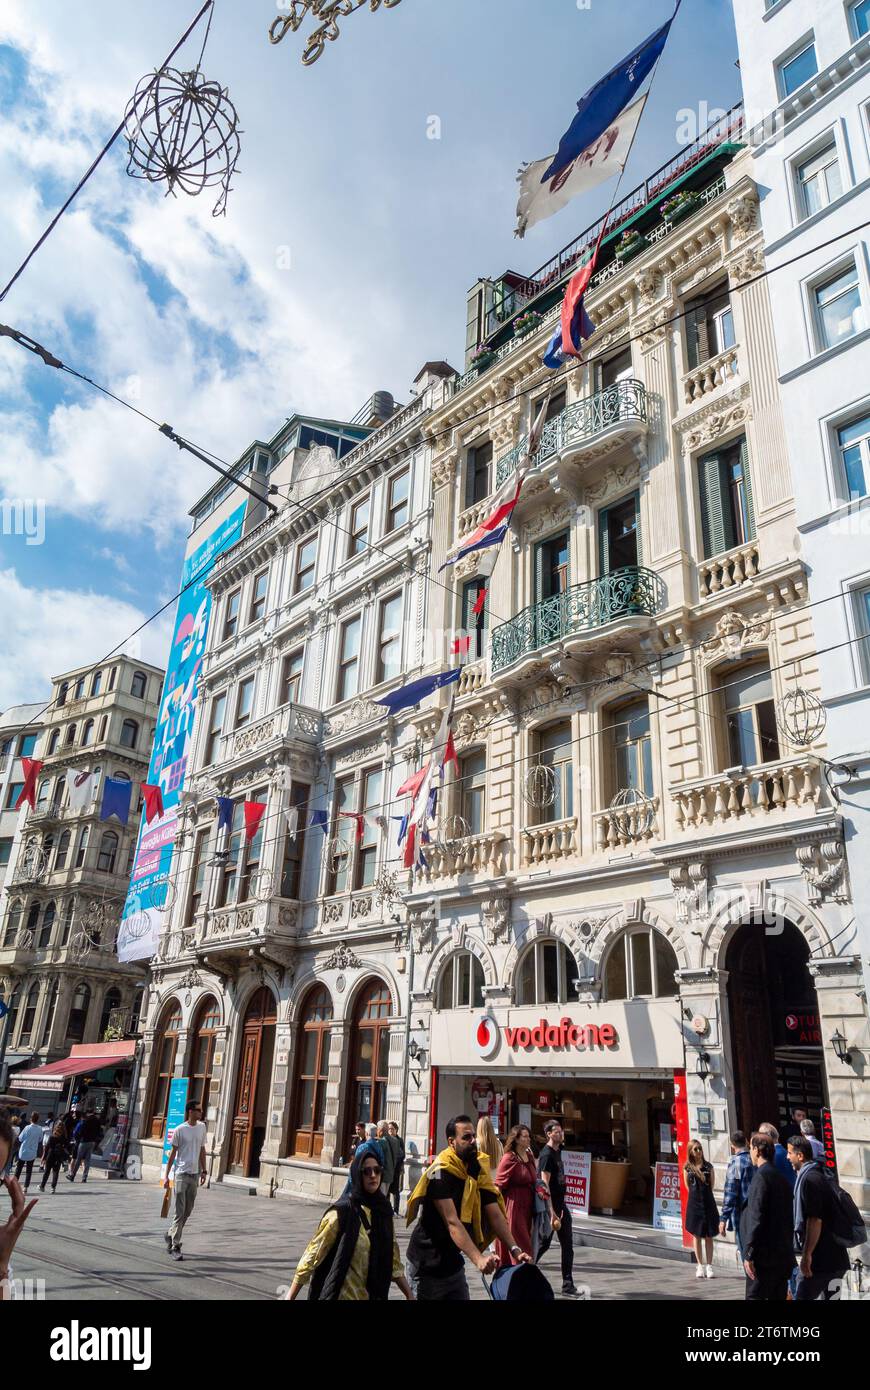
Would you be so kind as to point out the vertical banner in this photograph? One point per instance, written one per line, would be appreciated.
(147, 897)
(578, 1176)
(174, 1116)
(667, 1209)
(681, 1124)
(828, 1142)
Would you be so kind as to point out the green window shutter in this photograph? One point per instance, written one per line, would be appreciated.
(715, 504)
(469, 477)
(639, 531)
(747, 483)
(539, 572)
(603, 543)
(697, 333)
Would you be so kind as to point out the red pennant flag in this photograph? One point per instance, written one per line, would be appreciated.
(153, 801)
(32, 769)
(479, 602)
(460, 646)
(414, 783)
(253, 812)
(354, 815)
(410, 851)
(450, 755)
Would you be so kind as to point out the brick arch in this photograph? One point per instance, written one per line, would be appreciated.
(554, 931)
(449, 947)
(616, 926)
(724, 924)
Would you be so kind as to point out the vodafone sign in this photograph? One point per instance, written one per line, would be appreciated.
(543, 1036)
(487, 1036)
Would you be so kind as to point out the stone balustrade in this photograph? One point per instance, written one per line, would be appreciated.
(471, 854)
(288, 722)
(472, 679)
(630, 824)
(752, 793)
(544, 844)
(473, 516)
(729, 570)
(710, 375)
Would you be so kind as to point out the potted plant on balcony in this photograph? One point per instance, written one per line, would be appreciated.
(527, 323)
(630, 243)
(482, 357)
(680, 205)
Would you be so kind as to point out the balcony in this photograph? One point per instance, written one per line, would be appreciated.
(587, 428)
(710, 375)
(747, 794)
(254, 931)
(291, 723)
(468, 854)
(728, 570)
(546, 844)
(631, 824)
(630, 596)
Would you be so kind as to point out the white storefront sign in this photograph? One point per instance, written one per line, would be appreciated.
(577, 1168)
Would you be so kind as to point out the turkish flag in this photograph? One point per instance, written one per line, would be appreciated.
(410, 847)
(413, 783)
(450, 755)
(32, 768)
(354, 815)
(253, 813)
(153, 801)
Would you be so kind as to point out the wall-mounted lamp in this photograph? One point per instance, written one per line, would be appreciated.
(702, 1066)
(838, 1043)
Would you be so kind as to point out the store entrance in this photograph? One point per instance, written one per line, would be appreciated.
(776, 1039)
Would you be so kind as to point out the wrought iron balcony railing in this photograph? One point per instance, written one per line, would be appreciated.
(623, 593)
(623, 403)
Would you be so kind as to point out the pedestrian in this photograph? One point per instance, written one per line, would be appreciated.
(397, 1144)
(780, 1155)
(516, 1178)
(808, 1132)
(460, 1211)
(766, 1227)
(359, 1134)
(54, 1155)
(551, 1172)
(793, 1127)
(489, 1143)
(354, 1255)
(371, 1144)
(822, 1260)
(15, 1130)
(188, 1156)
(738, 1176)
(21, 1209)
(388, 1159)
(88, 1134)
(702, 1214)
(29, 1143)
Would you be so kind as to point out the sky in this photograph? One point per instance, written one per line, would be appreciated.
(350, 241)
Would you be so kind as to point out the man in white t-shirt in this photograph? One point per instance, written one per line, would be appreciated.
(188, 1156)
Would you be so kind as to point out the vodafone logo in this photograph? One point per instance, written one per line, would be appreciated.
(487, 1037)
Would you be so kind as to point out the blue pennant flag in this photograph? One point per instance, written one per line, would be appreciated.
(225, 812)
(4, 1009)
(602, 104)
(116, 799)
(319, 818)
(415, 691)
(403, 828)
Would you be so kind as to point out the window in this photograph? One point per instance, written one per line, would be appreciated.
(389, 639)
(231, 614)
(348, 661)
(475, 625)
(615, 369)
(306, 559)
(62, 694)
(96, 682)
(397, 501)
(838, 309)
(70, 735)
(42, 794)
(138, 685)
(861, 599)
(312, 1074)
(107, 853)
(5, 850)
(461, 983)
(342, 831)
(294, 844)
(78, 1014)
(197, 878)
(258, 597)
(13, 792)
(83, 847)
(553, 750)
(860, 17)
(477, 474)
(165, 1047)
(80, 688)
(472, 796)
(818, 180)
(631, 750)
(112, 674)
(66, 924)
(205, 1034)
(725, 496)
(88, 733)
(13, 922)
(111, 1001)
(370, 1053)
(244, 702)
(242, 856)
(129, 733)
(640, 964)
(359, 526)
(794, 71)
(53, 741)
(215, 728)
(50, 1013)
(547, 974)
(551, 567)
(367, 846)
(28, 1016)
(26, 745)
(103, 721)
(709, 326)
(62, 851)
(854, 443)
(49, 913)
(750, 715)
(291, 677)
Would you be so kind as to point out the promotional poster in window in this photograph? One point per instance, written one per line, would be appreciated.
(148, 897)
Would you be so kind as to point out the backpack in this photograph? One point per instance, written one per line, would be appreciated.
(847, 1224)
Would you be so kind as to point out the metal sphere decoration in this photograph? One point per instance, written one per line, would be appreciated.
(539, 786)
(336, 852)
(801, 717)
(634, 813)
(261, 885)
(446, 832)
(328, 12)
(161, 893)
(184, 132)
(34, 862)
(136, 925)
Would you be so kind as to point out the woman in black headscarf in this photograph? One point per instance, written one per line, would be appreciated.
(354, 1255)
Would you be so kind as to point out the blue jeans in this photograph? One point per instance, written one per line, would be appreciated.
(84, 1153)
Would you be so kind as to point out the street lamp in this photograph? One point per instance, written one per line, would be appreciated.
(702, 1066)
(838, 1043)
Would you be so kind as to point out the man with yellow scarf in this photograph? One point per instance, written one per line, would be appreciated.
(461, 1211)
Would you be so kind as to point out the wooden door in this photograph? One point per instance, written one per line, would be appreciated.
(752, 1040)
(261, 1014)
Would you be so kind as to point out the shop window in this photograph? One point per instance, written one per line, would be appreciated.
(472, 792)
(746, 695)
(477, 474)
(205, 1032)
(294, 844)
(552, 748)
(546, 974)
(138, 685)
(370, 1053)
(461, 983)
(29, 1015)
(641, 964)
(725, 495)
(50, 1013)
(627, 731)
(163, 1062)
(312, 1074)
(78, 1014)
(111, 1001)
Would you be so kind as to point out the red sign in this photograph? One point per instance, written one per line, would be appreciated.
(543, 1101)
(563, 1034)
(803, 1028)
(828, 1141)
(681, 1124)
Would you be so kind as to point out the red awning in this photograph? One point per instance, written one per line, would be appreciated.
(82, 1059)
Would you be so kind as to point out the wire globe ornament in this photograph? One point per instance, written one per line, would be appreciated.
(135, 925)
(446, 832)
(261, 885)
(328, 12)
(183, 131)
(33, 864)
(161, 893)
(801, 717)
(633, 813)
(539, 786)
(336, 853)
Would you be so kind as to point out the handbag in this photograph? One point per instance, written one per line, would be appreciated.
(167, 1198)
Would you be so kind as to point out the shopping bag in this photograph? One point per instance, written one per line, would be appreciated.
(167, 1199)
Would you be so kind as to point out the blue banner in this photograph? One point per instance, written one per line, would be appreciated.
(174, 1115)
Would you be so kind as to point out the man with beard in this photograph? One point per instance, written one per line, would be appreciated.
(461, 1211)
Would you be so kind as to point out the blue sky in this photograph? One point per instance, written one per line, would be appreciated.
(198, 319)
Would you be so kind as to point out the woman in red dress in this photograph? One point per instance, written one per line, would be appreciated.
(515, 1177)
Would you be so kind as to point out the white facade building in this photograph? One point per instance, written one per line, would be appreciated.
(20, 728)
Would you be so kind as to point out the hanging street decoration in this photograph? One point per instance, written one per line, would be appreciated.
(411, 694)
(253, 812)
(328, 12)
(116, 799)
(539, 786)
(801, 717)
(183, 131)
(634, 813)
(153, 801)
(31, 768)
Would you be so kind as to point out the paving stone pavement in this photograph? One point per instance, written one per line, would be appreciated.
(104, 1241)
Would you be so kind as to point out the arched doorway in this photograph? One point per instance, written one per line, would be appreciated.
(369, 1057)
(251, 1108)
(776, 1041)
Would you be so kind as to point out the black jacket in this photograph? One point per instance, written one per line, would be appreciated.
(767, 1221)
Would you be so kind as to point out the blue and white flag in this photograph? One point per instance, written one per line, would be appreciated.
(225, 812)
(116, 799)
(409, 695)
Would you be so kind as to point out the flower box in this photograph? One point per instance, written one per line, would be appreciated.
(482, 358)
(630, 245)
(681, 205)
(526, 323)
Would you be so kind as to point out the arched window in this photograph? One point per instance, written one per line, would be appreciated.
(83, 847)
(78, 1013)
(461, 982)
(33, 917)
(57, 795)
(28, 1016)
(546, 974)
(370, 1049)
(96, 682)
(62, 850)
(70, 735)
(112, 1000)
(129, 733)
(47, 849)
(165, 1046)
(13, 922)
(88, 732)
(48, 915)
(50, 1011)
(640, 964)
(138, 685)
(208, 1020)
(312, 1074)
(66, 927)
(102, 733)
(108, 852)
(53, 741)
(42, 794)
(62, 693)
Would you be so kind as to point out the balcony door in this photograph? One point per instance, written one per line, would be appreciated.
(551, 567)
(619, 534)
